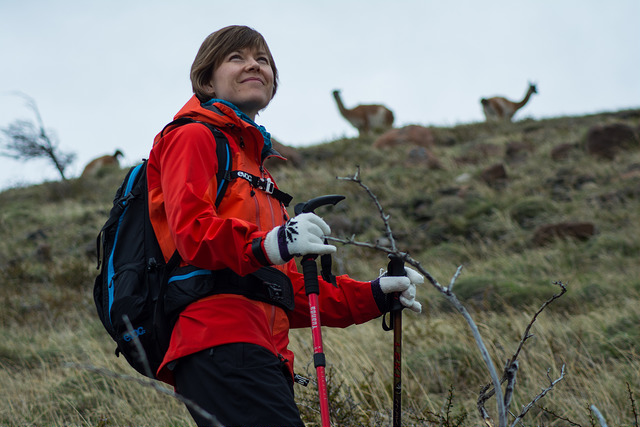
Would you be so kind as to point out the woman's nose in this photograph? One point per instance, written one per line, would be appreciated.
(253, 64)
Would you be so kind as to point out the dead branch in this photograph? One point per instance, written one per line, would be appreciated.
(486, 392)
(393, 250)
(446, 291)
(142, 355)
(598, 414)
(147, 383)
(544, 391)
(511, 383)
(385, 218)
(511, 367)
(633, 405)
(558, 416)
(526, 334)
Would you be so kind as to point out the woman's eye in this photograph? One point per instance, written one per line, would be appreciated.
(235, 56)
(263, 59)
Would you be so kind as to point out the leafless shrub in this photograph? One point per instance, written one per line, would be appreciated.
(26, 140)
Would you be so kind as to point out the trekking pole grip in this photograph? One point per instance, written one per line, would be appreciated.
(394, 268)
(310, 273)
(314, 203)
(308, 262)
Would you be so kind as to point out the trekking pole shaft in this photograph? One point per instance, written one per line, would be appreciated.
(397, 368)
(319, 360)
(312, 287)
(396, 268)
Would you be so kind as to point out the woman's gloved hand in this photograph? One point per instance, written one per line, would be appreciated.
(406, 285)
(301, 235)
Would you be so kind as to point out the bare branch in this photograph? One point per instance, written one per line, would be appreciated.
(509, 374)
(142, 355)
(149, 383)
(560, 417)
(351, 241)
(540, 396)
(402, 255)
(485, 356)
(487, 392)
(446, 291)
(486, 417)
(385, 217)
(526, 335)
(454, 278)
(511, 383)
(601, 420)
(633, 405)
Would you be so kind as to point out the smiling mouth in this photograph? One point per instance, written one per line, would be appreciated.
(252, 79)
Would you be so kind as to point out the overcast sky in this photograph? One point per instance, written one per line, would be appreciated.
(110, 74)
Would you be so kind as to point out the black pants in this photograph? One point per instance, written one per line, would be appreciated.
(240, 384)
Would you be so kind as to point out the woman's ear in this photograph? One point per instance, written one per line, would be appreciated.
(208, 87)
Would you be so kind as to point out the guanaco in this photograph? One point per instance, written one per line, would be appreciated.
(94, 166)
(499, 108)
(366, 118)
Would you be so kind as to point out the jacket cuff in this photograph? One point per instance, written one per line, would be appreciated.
(257, 248)
(381, 299)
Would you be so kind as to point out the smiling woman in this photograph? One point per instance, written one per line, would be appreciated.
(237, 291)
(245, 78)
(231, 44)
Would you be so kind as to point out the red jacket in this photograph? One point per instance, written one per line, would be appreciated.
(181, 174)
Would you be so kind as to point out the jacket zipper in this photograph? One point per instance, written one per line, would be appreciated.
(273, 318)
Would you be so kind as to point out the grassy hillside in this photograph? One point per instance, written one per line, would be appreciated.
(444, 217)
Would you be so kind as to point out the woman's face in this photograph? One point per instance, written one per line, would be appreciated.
(245, 79)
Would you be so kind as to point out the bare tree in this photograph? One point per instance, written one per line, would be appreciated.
(25, 140)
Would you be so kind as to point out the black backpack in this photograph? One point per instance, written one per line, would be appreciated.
(129, 289)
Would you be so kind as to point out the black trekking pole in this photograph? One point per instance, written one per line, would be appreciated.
(396, 268)
(312, 289)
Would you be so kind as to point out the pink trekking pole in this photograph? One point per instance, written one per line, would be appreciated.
(312, 289)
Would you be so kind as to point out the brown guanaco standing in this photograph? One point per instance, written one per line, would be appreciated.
(499, 108)
(94, 166)
(366, 118)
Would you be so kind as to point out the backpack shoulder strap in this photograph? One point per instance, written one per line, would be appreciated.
(223, 152)
(225, 174)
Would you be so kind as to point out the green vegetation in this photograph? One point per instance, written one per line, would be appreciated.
(443, 217)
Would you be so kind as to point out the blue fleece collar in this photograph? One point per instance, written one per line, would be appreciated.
(265, 135)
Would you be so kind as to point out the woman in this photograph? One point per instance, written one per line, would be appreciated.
(229, 346)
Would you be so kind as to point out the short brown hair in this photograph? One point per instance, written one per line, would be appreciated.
(217, 46)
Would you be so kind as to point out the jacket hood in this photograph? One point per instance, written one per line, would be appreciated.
(217, 114)
(222, 116)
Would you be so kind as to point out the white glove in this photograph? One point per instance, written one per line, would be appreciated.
(301, 235)
(406, 285)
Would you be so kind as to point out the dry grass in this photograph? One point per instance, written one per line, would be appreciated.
(42, 384)
(47, 320)
(439, 353)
